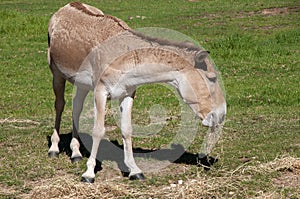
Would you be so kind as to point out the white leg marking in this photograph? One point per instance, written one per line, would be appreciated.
(54, 142)
(75, 148)
(126, 128)
(98, 131)
(90, 174)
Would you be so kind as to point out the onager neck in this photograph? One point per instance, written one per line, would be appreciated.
(138, 61)
(129, 60)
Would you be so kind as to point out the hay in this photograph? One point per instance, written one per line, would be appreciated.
(283, 164)
(225, 184)
(68, 187)
(228, 184)
(14, 120)
(7, 190)
(200, 187)
(19, 123)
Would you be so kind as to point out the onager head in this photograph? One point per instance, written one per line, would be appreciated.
(202, 91)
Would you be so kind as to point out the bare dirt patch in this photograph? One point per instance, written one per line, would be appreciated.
(218, 18)
(279, 11)
(269, 12)
(243, 14)
(287, 180)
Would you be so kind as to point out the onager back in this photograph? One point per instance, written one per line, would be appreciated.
(100, 53)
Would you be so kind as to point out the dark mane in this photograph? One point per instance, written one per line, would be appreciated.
(81, 7)
(183, 45)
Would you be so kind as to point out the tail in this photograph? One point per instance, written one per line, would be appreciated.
(48, 40)
(49, 56)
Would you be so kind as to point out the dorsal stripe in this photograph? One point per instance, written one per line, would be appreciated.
(81, 7)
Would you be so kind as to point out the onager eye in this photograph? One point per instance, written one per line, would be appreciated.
(201, 65)
(212, 76)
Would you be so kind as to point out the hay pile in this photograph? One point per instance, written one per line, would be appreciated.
(68, 187)
(228, 184)
(283, 164)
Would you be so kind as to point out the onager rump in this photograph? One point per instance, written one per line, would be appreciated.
(100, 53)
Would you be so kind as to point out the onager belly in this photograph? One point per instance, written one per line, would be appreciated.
(84, 79)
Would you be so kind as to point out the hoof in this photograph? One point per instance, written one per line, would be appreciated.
(76, 159)
(138, 176)
(88, 180)
(206, 162)
(53, 154)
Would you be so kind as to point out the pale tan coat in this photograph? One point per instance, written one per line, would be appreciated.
(101, 53)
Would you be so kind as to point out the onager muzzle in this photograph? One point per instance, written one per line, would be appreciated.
(215, 117)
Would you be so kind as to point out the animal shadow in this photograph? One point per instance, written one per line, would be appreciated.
(113, 151)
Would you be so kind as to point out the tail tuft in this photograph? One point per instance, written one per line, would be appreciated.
(48, 40)
(49, 56)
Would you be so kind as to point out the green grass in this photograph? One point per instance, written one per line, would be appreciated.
(258, 55)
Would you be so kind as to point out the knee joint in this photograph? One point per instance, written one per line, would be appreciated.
(98, 133)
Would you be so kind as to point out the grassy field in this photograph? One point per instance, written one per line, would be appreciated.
(256, 46)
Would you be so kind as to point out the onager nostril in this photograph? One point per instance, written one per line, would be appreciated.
(222, 118)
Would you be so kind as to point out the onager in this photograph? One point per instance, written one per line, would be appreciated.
(100, 53)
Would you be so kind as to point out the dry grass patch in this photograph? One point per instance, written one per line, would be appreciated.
(289, 169)
(19, 123)
(7, 190)
(223, 184)
(283, 164)
(68, 186)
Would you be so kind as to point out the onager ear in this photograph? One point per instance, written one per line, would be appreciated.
(199, 60)
(187, 42)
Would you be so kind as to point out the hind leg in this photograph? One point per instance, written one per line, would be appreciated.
(58, 85)
(77, 108)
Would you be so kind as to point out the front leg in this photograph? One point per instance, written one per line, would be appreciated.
(100, 96)
(126, 128)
